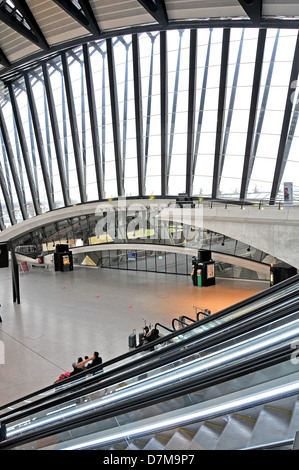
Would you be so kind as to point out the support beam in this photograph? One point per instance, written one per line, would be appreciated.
(73, 125)
(253, 107)
(27, 27)
(164, 112)
(285, 125)
(15, 276)
(220, 114)
(56, 136)
(115, 118)
(201, 108)
(25, 151)
(3, 59)
(230, 109)
(82, 12)
(253, 8)
(191, 110)
(12, 165)
(138, 114)
(39, 142)
(262, 111)
(6, 196)
(157, 9)
(93, 122)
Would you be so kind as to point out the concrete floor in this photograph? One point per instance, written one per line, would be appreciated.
(64, 315)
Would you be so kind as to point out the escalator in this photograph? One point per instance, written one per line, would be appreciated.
(240, 372)
(262, 304)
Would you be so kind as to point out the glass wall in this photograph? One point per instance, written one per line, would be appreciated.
(83, 231)
(152, 114)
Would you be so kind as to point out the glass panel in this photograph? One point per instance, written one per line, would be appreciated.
(66, 142)
(151, 261)
(149, 44)
(242, 53)
(141, 263)
(271, 106)
(170, 263)
(19, 163)
(209, 48)
(178, 79)
(182, 264)
(132, 259)
(99, 67)
(161, 261)
(7, 176)
(291, 153)
(114, 259)
(31, 146)
(78, 83)
(123, 57)
(38, 90)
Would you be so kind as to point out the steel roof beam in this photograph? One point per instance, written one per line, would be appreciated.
(253, 109)
(221, 110)
(191, 110)
(115, 119)
(285, 125)
(3, 59)
(157, 9)
(164, 112)
(12, 165)
(39, 141)
(138, 114)
(56, 135)
(253, 8)
(93, 121)
(25, 151)
(83, 15)
(34, 34)
(74, 127)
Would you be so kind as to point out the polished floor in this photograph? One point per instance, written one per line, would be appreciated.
(64, 315)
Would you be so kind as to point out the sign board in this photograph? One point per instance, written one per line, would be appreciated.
(24, 267)
(288, 195)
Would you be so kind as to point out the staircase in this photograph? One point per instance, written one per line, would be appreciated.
(256, 427)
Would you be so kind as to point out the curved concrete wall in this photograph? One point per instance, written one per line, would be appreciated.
(270, 230)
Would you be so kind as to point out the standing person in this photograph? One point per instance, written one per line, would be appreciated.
(153, 335)
(79, 366)
(96, 360)
(143, 339)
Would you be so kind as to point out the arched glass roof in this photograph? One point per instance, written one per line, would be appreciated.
(211, 112)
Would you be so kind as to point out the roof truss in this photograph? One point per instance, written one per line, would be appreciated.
(157, 9)
(253, 9)
(82, 12)
(18, 16)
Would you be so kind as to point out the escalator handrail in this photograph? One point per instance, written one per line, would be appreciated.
(165, 327)
(202, 312)
(157, 342)
(180, 321)
(112, 361)
(177, 389)
(156, 362)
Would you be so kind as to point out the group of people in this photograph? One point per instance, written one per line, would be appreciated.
(148, 336)
(82, 364)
